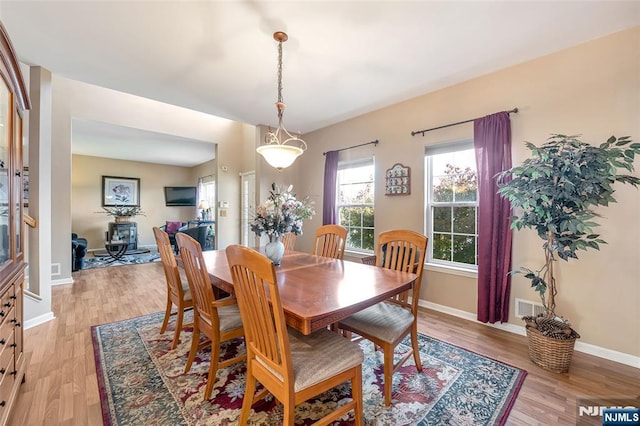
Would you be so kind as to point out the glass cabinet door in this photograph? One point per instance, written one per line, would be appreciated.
(5, 162)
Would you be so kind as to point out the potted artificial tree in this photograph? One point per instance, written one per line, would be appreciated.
(555, 192)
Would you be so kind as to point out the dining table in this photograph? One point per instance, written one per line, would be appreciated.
(319, 291)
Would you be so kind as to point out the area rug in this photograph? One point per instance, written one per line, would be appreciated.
(127, 259)
(141, 381)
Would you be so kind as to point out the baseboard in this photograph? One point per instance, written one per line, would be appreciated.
(62, 281)
(586, 348)
(38, 320)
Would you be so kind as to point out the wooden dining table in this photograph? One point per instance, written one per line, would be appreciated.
(318, 291)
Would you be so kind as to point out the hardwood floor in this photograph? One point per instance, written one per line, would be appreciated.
(61, 385)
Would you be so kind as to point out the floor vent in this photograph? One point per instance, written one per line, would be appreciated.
(528, 308)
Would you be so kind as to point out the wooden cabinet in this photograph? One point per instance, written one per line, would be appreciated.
(13, 102)
(11, 355)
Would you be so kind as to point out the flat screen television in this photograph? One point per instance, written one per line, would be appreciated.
(180, 195)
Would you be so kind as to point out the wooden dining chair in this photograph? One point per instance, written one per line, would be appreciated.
(387, 323)
(178, 293)
(330, 241)
(289, 241)
(219, 320)
(291, 366)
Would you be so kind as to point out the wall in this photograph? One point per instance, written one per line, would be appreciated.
(592, 89)
(89, 220)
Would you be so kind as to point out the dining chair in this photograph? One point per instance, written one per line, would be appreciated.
(291, 366)
(219, 320)
(387, 323)
(330, 241)
(289, 241)
(178, 293)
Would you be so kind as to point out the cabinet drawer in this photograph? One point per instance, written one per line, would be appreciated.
(6, 384)
(6, 354)
(6, 303)
(6, 325)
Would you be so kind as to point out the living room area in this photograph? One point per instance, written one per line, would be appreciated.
(94, 218)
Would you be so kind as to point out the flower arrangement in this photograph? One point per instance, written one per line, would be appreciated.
(281, 213)
(120, 211)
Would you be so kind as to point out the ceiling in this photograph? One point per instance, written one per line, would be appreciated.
(343, 58)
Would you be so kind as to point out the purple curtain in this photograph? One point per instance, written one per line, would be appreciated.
(492, 142)
(329, 214)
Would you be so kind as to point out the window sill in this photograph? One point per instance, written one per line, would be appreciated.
(451, 270)
(356, 256)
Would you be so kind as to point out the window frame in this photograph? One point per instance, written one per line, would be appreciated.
(351, 164)
(439, 264)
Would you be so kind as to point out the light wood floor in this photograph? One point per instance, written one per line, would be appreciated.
(61, 386)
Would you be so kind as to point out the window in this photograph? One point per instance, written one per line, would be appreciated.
(452, 205)
(355, 203)
(207, 192)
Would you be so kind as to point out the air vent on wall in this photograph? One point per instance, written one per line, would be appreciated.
(528, 308)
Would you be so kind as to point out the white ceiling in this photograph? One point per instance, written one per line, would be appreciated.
(343, 58)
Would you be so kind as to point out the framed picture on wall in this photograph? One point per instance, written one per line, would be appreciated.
(120, 191)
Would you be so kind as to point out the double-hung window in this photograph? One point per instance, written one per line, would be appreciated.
(451, 214)
(354, 202)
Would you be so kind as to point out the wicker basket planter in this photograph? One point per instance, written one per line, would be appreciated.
(123, 219)
(549, 353)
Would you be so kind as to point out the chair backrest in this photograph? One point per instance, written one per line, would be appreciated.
(169, 264)
(330, 241)
(198, 278)
(289, 241)
(403, 250)
(256, 288)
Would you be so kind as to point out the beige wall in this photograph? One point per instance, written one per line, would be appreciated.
(593, 90)
(87, 218)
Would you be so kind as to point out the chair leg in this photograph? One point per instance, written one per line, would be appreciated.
(213, 369)
(388, 375)
(167, 314)
(414, 345)
(176, 334)
(247, 402)
(289, 412)
(356, 394)
(195, 339)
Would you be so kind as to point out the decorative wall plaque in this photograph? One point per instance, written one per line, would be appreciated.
(398, 180)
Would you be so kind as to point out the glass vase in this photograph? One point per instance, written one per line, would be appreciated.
(274, 249)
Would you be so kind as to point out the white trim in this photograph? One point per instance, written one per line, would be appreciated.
(587, 348)
(62, 281)
(448, 269)
(39, 320)
(32, 296)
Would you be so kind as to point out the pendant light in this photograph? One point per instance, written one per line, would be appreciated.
(281, 148)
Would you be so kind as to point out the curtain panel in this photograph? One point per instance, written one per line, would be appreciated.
(329, 214)
(492, 143)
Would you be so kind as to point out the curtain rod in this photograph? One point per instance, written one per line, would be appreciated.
(515, 110)
(355, 146)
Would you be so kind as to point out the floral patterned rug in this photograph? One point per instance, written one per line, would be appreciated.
(141, 381)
